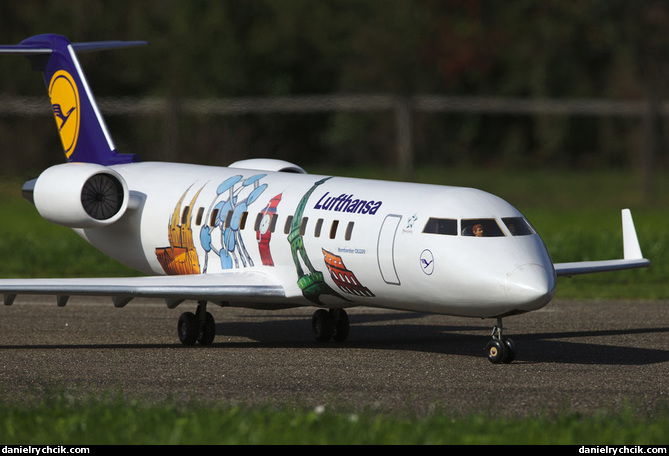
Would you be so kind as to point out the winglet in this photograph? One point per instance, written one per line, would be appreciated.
(631, 247)
(632, 256)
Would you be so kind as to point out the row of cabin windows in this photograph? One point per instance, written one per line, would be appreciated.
(318, 228)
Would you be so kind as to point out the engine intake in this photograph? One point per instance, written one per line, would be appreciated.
(80, 195)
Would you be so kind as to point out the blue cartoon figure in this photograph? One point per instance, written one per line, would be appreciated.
(237, 196)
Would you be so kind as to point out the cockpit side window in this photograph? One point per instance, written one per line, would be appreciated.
(481, 228)
(518, 226)
(441, 226)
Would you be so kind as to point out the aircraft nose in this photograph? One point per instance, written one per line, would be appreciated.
(531, 284)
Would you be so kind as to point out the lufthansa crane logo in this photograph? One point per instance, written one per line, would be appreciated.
(427, 262)
(65, 102)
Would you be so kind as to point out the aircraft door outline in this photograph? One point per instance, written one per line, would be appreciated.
(385, 249)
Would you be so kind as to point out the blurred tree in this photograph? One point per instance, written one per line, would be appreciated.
(238, 48)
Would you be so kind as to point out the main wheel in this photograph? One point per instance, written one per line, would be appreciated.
(188, 328)
(207, 333)
(322, 326)
(495, 350)
(341, 324)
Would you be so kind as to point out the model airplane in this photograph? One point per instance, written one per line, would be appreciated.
(265, 234)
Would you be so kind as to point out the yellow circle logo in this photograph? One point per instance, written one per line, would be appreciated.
(65, 102)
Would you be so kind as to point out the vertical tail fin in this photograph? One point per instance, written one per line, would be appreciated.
(80, 124)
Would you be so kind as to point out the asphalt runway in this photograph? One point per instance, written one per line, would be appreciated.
(572, 356)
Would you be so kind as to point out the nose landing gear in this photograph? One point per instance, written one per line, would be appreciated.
(500, 349)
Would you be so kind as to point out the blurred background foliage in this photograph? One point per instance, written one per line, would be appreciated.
(553, 49)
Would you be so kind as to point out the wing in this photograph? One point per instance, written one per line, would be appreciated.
(243, 286)
(632, 256)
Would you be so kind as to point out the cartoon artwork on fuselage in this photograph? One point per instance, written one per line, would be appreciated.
(311, 281)
(344, 278)
(230, 208)
(180, 257)
(219, 234)
(265, 228)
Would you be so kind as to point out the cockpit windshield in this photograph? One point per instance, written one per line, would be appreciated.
(518, 226)
(487, 227)
(441, 226)
(481, 227)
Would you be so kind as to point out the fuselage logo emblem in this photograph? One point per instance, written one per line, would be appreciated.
(427, 262)
(65, 102)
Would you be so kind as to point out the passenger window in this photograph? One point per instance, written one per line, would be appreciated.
(256, 225)
(212, 219)
(317, 229)
(481, 228)
(303, 225)
(198, 220)
(333, 229)
(349, 231)
(242, 220)
(228, 219)
(441, 226)
(184, 215)
(272, 223)
(518, 226)
(289, 222)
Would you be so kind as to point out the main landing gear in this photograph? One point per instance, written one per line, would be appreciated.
(330, 324)
(197, 327)
(500, 349)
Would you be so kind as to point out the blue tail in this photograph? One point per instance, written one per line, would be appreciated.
(82, 129)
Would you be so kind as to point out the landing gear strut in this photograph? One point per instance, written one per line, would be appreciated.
(197, 327)
(500, 349)
(332, 324)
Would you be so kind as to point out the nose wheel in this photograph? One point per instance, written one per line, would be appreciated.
(500, 349)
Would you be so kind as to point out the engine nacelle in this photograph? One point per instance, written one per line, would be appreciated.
(80, 195)
(268, 164)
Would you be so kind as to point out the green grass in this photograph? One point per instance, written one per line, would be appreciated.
(59, 420)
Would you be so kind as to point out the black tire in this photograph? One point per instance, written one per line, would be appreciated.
(509, 351)
(495, 351)
(321, 324)
(341, 325)
(208, 331)
(188, 328)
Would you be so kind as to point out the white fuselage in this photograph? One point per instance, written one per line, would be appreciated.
(334, 242)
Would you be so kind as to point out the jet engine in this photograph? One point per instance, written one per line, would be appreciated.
(79, 195)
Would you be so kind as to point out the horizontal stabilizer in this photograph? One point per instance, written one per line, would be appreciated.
(25, 49)
(106, 45)
(29, 49)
